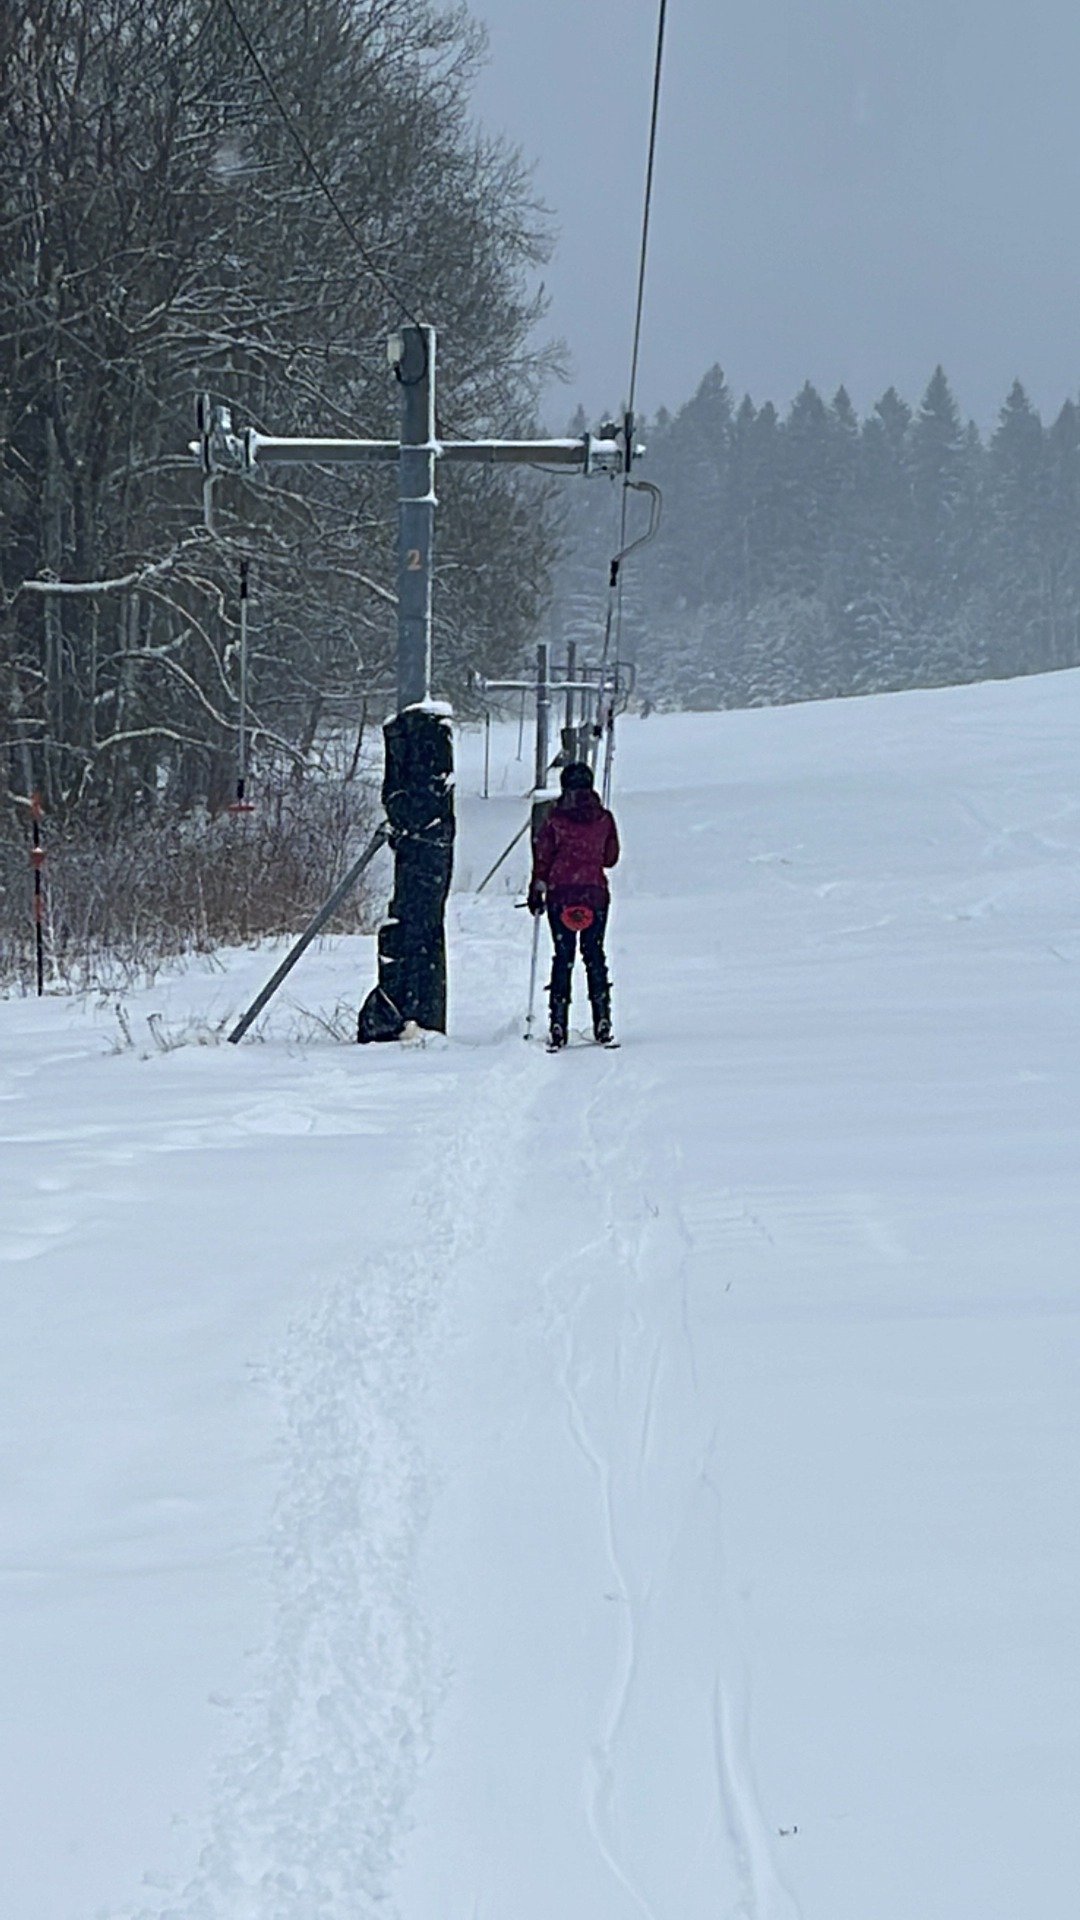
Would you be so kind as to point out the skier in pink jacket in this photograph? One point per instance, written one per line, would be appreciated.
(576, 845)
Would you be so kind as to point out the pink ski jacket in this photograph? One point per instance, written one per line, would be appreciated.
(576, 844)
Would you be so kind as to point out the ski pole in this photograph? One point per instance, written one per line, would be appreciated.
(532, 977)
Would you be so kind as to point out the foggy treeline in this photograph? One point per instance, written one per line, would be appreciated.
(160, 234)
(817, 554)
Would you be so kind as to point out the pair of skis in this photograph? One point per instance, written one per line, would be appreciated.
(563, 1046)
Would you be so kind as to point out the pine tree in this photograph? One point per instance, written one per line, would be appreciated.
(938, 471)
(1015, 527)
(880, 616)
(1062, 536)
(841, 578)
(807, 490)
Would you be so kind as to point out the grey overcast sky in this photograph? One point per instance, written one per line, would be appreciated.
(846, 190)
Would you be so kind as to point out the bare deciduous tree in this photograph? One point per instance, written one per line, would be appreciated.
(161, 233)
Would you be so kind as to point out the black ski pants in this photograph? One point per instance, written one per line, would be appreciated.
(592, 953)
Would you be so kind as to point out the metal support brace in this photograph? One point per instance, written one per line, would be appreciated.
(314, 927)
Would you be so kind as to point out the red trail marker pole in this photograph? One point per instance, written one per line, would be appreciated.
(37, 861)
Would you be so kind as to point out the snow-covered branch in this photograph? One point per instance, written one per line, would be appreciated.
(122, 583)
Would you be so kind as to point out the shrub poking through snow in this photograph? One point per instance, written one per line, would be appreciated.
(118, 907)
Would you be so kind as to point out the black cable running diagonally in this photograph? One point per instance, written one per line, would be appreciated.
(657, 69)
(614, 614)
(373, 268)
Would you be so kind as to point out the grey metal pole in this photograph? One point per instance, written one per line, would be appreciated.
(543, 708)
(609, 751)
(418, 782)
(571, 675)
(416, 538)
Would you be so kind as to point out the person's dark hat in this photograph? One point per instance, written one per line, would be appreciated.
(575, 777)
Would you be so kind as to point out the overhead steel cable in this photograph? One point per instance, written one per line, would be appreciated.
(653, 124)
(613, 622)
(315, 170)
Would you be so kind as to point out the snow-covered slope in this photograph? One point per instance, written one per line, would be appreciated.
(478, 1484)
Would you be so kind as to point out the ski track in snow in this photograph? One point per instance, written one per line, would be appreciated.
(619, 1165)
(765, 1895)
(313, 1800)
(601, 1787)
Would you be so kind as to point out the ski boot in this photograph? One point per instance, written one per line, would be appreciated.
(558, 1028)
(601, 1021)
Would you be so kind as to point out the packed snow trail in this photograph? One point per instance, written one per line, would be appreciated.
(310, 1805)
(469, 1482)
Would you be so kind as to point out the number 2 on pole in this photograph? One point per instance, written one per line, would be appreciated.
(414, 560)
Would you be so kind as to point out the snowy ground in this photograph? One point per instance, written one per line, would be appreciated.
(483, 1486)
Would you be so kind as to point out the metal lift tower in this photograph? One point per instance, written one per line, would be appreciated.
(417, 788)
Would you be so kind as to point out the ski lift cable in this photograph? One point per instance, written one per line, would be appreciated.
(373, 268)
(613, 622)
(653, 124)
(643, 257)
(639, 309)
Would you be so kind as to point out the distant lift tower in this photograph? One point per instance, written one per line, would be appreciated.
(418, 791)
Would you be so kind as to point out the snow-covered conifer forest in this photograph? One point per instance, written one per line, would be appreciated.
(806, 553)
